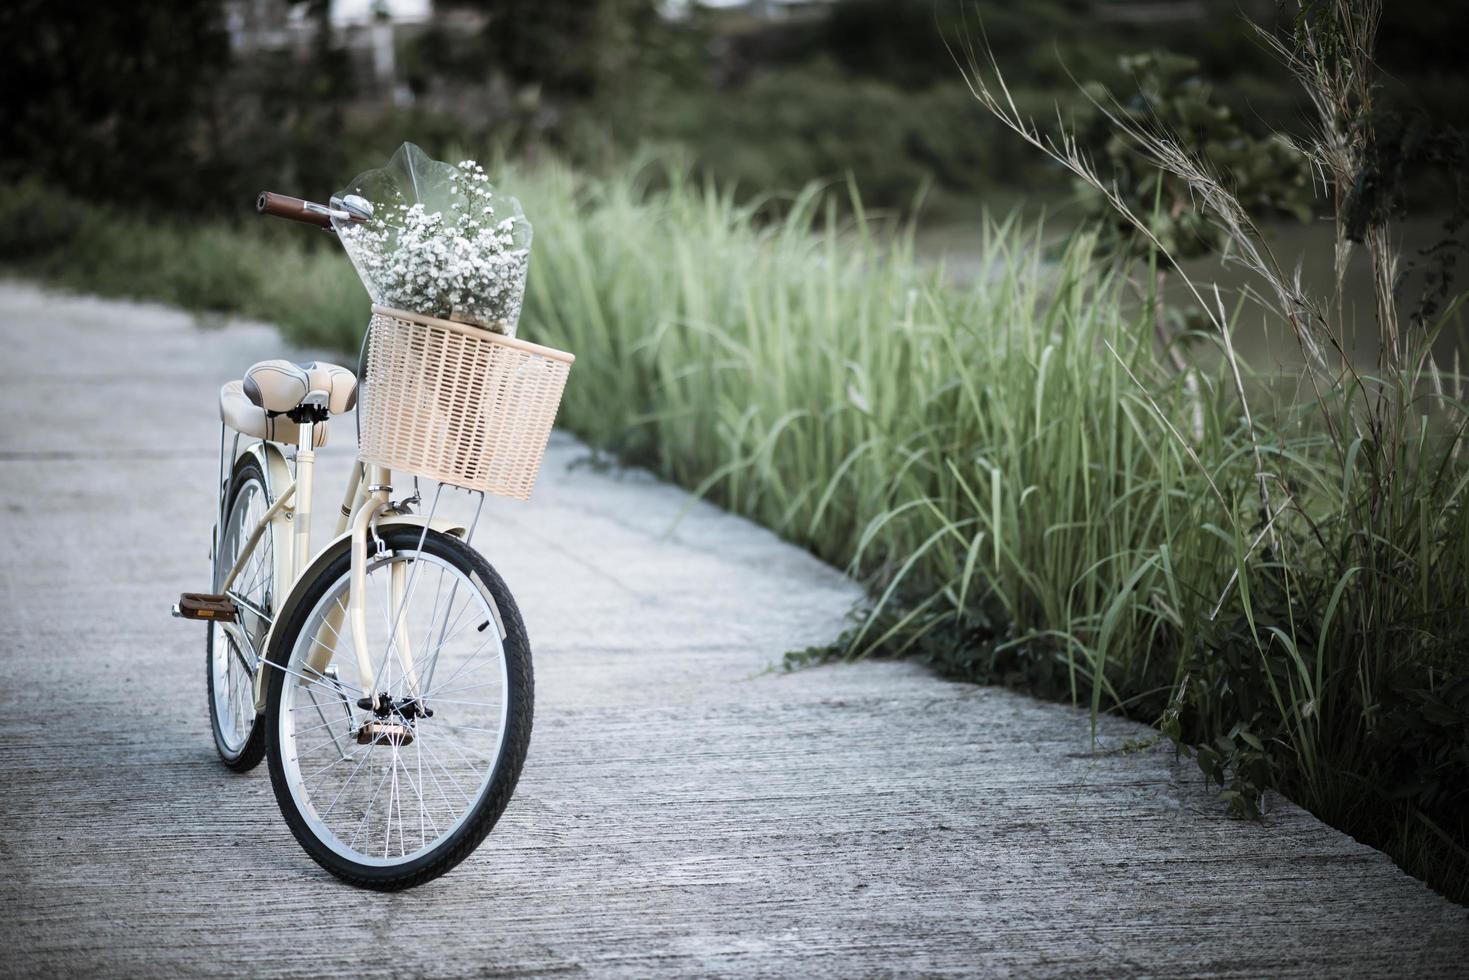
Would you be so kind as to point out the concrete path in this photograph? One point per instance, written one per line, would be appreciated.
(684, 811)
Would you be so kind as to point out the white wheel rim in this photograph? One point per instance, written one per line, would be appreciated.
(383, 804)
(233, 685)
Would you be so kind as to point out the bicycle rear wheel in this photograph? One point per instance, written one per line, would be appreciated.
(391, 795)
(229, 669)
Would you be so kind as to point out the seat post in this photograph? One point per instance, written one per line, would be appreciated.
(305, 465)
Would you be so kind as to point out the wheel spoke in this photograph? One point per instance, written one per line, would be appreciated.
(367, 812)
(332, 806)
(434, 760)
(330, 765)
(474, 704)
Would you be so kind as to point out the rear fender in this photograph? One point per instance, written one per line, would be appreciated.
(273, 463)
(277, 477)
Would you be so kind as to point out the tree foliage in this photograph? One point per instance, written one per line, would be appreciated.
(108, 99)
(1171, 99)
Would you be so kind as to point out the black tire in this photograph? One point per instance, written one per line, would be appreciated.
(519, 695)
(253, 751)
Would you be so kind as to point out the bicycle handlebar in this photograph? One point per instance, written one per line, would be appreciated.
(298, 210)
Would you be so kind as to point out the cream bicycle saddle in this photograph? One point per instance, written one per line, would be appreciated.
(260, 404)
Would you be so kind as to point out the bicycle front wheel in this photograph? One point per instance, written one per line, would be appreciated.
(391, 785)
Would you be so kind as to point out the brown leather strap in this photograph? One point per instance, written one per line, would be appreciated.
(293, 208)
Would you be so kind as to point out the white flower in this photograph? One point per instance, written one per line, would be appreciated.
(441, 264)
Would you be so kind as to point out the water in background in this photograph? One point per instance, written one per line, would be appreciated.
(1265, 340)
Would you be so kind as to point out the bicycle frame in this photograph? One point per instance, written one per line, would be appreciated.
(366, 506)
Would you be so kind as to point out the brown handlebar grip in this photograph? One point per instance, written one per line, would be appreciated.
(294, 208)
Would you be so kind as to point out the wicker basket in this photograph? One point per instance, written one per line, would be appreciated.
(457, 404)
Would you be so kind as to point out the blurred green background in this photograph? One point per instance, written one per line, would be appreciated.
(185, 109)
(193, 105)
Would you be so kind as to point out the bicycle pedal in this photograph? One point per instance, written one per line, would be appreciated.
(384, 733)
(201, 605)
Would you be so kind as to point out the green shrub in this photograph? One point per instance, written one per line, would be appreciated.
(282, 275)
(758, 137)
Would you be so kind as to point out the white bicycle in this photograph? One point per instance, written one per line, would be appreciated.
(387, 675)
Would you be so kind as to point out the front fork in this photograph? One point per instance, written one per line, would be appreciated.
(361, 507)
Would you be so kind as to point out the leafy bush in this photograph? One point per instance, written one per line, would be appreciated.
(1267, 173)
(759, 138)
(310, 292)
(106, 99)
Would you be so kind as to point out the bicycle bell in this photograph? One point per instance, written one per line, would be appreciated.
(359, 207)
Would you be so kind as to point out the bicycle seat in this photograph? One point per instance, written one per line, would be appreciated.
(259, 404)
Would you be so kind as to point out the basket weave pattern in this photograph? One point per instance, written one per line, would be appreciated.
(456, 403)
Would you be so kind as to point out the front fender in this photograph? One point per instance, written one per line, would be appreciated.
(325, 557)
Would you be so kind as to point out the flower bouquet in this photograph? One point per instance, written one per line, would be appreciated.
(441, 241)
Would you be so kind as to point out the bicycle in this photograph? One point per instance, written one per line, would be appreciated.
(386, 676)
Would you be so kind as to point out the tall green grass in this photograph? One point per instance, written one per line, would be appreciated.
(988, 453)
(1010, 467)
(290, 276)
